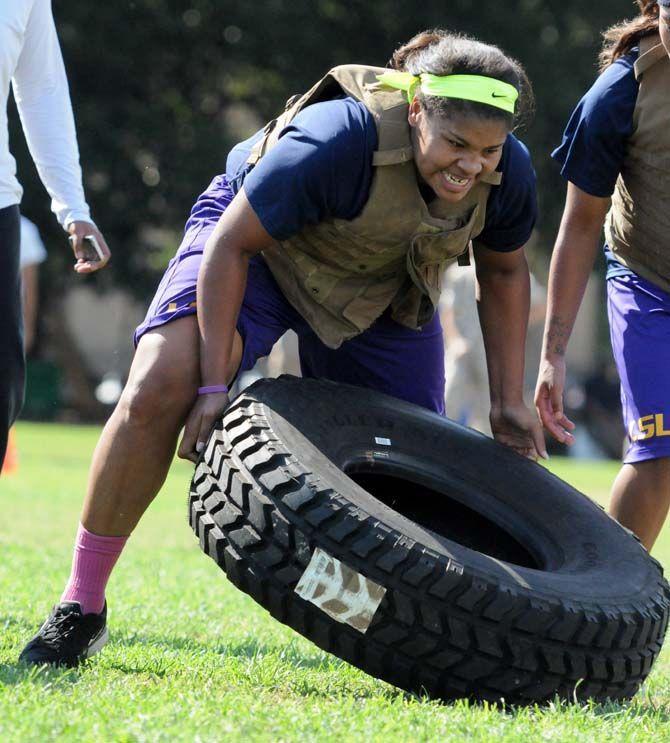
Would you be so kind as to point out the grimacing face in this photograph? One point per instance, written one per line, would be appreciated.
(452, 154)
(664, 27)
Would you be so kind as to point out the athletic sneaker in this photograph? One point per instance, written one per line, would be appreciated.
(67, 637)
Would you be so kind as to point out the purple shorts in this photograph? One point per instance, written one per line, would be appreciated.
(639, 317)
(388, 357)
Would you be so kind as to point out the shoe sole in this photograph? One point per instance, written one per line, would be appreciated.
(98, 644)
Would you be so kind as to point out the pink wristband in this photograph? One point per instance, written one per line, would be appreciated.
(212, 389)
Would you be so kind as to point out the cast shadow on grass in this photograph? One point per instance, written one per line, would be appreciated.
(266, 665)
(19, 673)
(161, 656)
(249, 649)
(14, 673)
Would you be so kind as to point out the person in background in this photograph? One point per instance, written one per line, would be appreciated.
(31, 61)
(32, 253)
(466, 384)
(615, 156)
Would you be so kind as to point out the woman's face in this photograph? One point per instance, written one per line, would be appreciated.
(453, 154)
(664, 27)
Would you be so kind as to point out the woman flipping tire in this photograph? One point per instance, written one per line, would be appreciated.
(336, 221)
(422, 552)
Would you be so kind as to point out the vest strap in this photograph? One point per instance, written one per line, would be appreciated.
(258, 150)
(393, 157)
(495, 178)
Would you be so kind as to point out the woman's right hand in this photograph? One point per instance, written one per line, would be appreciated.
(199, 423)
(549, 400)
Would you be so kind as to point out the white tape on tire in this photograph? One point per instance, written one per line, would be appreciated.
(339, 591)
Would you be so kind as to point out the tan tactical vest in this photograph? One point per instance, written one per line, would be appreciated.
(342, 274)
(637, 227)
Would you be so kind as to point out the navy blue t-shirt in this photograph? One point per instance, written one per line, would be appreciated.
(594, 143)
(322, 167)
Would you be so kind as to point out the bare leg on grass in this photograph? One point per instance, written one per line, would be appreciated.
(129, 466)
(137, 445)
(641, 496)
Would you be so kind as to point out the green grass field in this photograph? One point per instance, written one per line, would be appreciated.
(191, 658)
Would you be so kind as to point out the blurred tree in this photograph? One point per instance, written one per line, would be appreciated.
(163, 88)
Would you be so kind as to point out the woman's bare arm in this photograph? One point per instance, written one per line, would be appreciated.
(221, 284)
(503, 296)
(571, 264)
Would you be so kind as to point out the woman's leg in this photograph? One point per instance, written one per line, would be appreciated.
(640, 498)
(129, 466)
(137, 445)
(639, 316)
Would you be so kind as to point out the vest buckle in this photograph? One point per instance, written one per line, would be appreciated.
(291, 100)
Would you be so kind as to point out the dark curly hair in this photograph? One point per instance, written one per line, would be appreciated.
(441, 52)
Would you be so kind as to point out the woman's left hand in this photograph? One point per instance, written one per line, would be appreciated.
(519, 428)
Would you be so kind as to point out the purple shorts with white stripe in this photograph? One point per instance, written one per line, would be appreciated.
(639, 317)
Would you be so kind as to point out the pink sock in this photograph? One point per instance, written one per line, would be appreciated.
(93, 561)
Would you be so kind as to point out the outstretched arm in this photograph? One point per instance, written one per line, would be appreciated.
(571, 263)
(503, 297)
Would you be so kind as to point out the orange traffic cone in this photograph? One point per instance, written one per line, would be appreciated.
(11, 463)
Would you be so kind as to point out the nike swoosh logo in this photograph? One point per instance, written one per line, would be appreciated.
(498, 95)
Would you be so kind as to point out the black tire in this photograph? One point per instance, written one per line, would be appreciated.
(501, 581)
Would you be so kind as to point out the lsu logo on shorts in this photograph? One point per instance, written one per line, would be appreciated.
(648, 427)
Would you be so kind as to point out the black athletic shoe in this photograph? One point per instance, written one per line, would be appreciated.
(67, 637)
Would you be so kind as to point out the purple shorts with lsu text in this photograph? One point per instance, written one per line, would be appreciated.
(639, 318)
(388, 357)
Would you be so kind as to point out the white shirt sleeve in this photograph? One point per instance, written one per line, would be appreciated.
(43, 100)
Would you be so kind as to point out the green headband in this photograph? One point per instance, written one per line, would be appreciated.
(478, 88)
